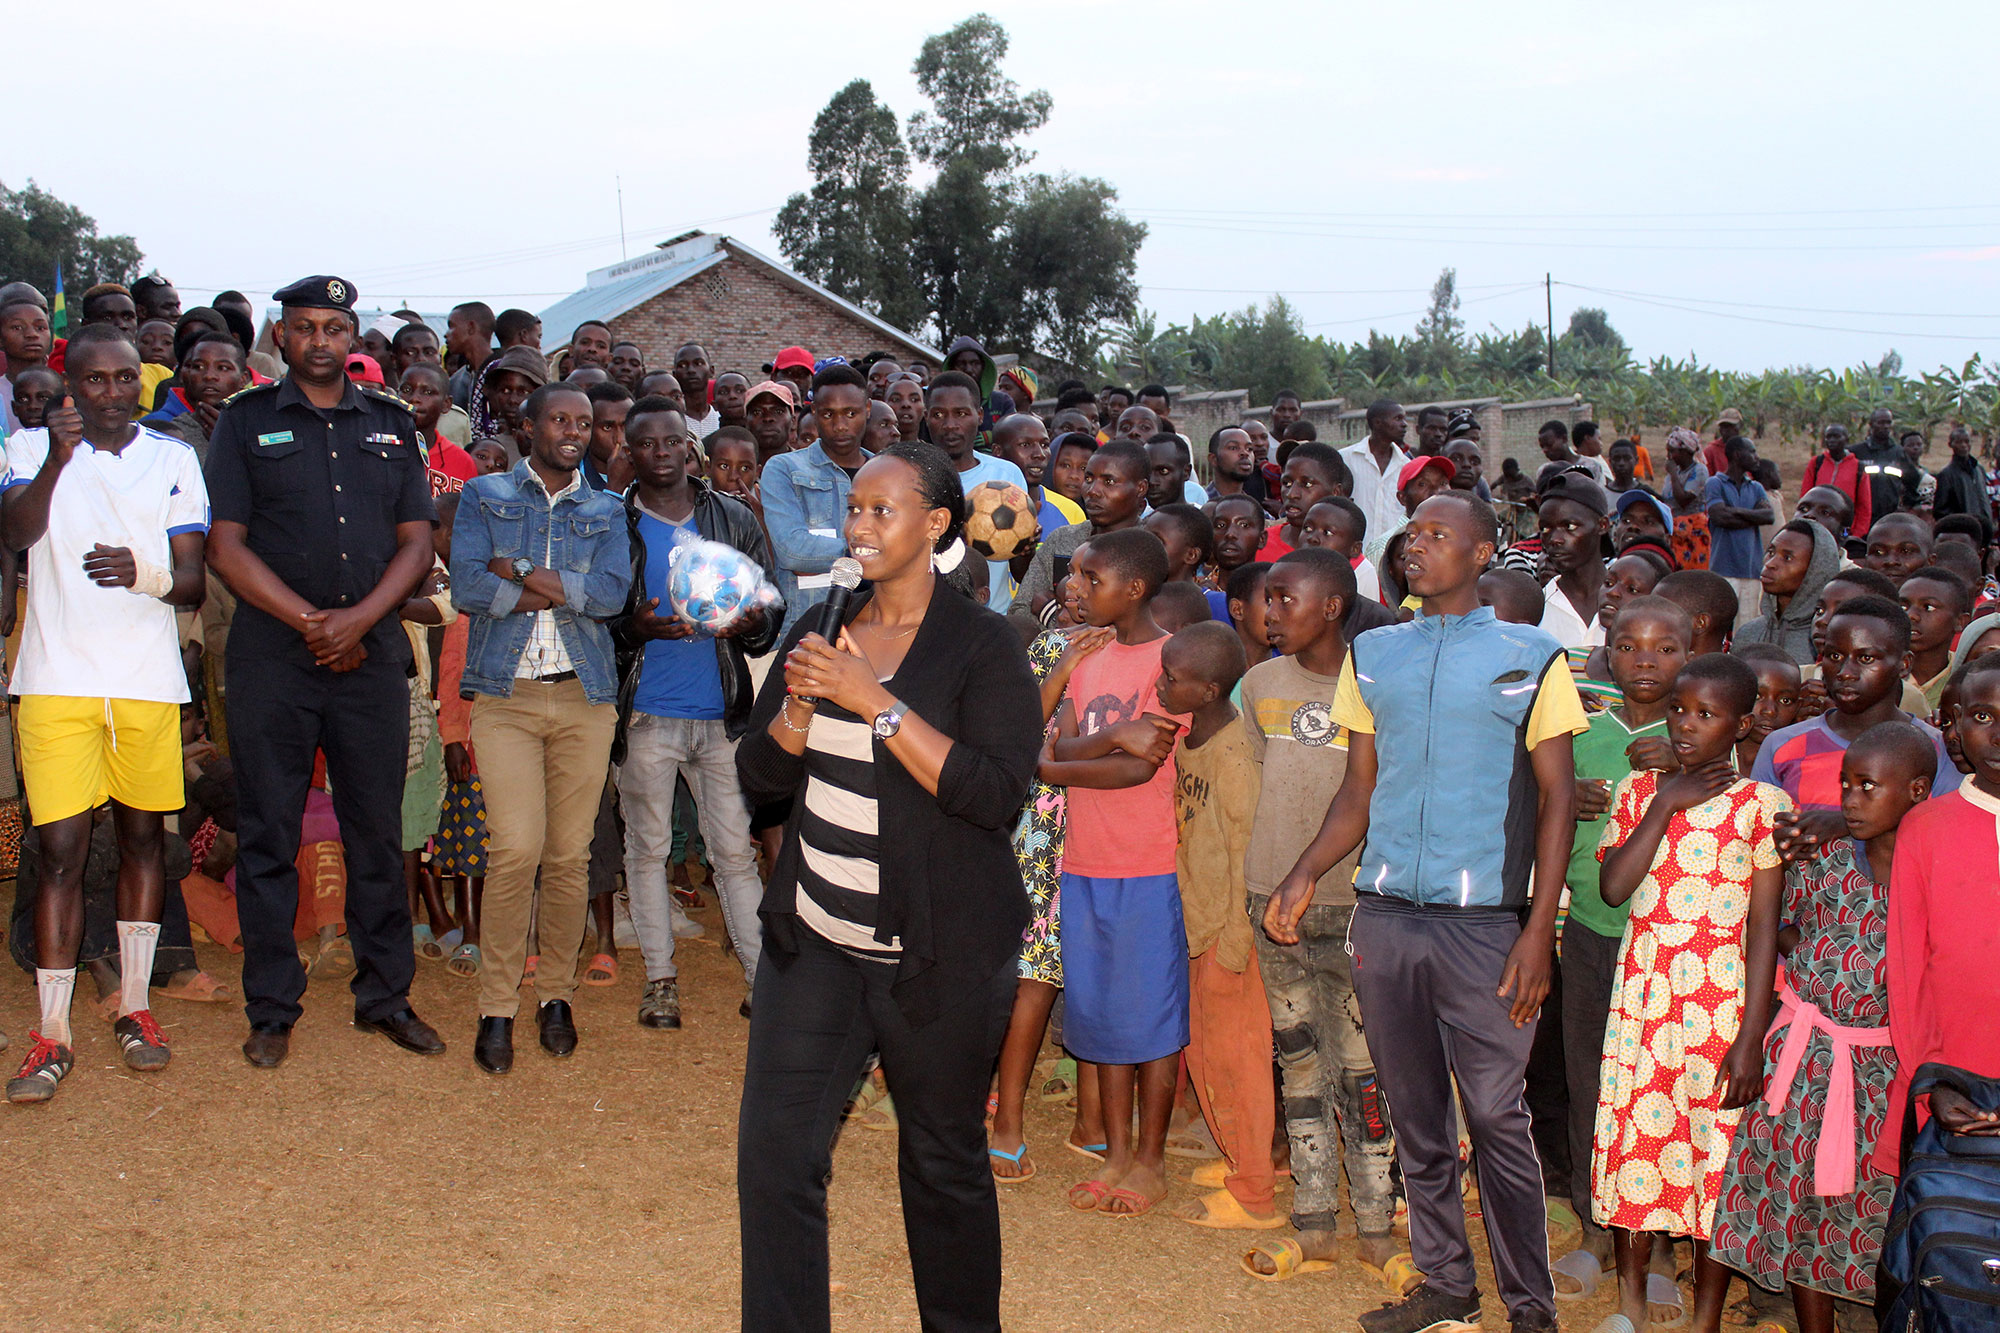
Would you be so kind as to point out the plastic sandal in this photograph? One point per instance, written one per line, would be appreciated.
(1581, 1267)
(1663, 1290)
(528, 971)
(426, 943)
(603, 971)
(1094, 1151)
(1223, 1211)
(1136, 1204)
(1288, 1260)
(464, 961)
(1014, 1157)
(1085, 1195)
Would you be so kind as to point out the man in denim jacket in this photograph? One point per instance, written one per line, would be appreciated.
(539, 563)
(805, 492)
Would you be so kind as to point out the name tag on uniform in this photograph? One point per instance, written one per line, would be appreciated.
(275, 437)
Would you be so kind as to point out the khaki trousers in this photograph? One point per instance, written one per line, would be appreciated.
(543, 755)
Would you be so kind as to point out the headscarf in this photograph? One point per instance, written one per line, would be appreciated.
(1962, 652)
(1683, 436)
(1792, 630)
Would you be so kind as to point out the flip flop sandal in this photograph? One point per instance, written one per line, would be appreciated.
(1288, 1260)
(1581, 1267)
(1094, 1151)
(464, 961)
(1014, 1157)
(528, 971)
(1091, 1194)
(203, 989)
(1663, 1290)
(1223, 1211)
(603, 971)
(1137, 1204)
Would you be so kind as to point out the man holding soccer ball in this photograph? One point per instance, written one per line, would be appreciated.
(684, 698)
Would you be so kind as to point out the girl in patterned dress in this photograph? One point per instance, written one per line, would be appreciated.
(1038, 846)
(1802, 1203)
(1695, 853)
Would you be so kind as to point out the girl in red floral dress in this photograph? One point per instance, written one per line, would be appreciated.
(1695, 853)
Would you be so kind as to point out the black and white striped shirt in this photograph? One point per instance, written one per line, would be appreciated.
(839, 874)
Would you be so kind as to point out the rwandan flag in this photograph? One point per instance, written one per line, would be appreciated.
(58, 312)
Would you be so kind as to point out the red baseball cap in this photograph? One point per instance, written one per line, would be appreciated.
(791, 358)
(363, 369)
(1416, 465)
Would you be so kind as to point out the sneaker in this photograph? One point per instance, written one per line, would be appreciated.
(660, 1007)
(1425, 1310)
(47, 1063)
(145, 1046)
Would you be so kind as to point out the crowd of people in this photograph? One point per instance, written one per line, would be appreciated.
(1600, 847)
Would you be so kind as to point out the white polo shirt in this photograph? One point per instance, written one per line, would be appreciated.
(1375, 487)
(82, 640)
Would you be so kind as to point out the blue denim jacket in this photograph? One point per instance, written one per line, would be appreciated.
(805, 511)
(581, 536)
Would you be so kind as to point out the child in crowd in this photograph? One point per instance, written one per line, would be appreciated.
(428, 392)
(1944, 924)
(458, 849)
(1245, 594)
(1711, 606)
(1899, 544)
(732, 466)
(1229, 1026)
(1850, 583)
(1038, 846)
(1337, 524)
(1312, 472)
(1334, 1107)
(35, 391)
(1180, 605)
(1187, 534)
(1939, 606)
(1576, 517)
(1634, 574)
(1695, 854)
(1778, 689)
(491, 456)
(1125, 969)
(1647, 647)
(1828, 1056)
(1514, 597)
(1867, 643)
(1802, 558)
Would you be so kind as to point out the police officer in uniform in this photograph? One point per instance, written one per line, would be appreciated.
(322, 527)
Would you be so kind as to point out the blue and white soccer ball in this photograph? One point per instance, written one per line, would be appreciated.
(711, 585)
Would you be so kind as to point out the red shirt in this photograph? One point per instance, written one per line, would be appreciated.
(450, 467)
(1275, 544)
(1845, 477)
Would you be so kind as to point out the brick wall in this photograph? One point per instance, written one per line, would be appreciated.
(743, 315)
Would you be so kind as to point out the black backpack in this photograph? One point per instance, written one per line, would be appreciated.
(1941, 1256)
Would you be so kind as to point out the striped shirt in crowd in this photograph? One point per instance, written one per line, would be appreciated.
(839, 875)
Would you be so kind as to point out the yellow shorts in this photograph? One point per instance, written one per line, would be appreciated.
(78, 753)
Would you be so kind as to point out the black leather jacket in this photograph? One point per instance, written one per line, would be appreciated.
(718, 518)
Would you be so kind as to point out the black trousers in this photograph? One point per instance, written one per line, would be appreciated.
(281, 711)
(816, 1016)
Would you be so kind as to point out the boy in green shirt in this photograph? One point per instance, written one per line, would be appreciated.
(1647, 647)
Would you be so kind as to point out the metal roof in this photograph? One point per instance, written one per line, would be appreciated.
(621, 288)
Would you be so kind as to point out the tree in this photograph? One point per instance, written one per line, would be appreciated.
(1070, 252)
(1591, 327)
(851, 231)
(39, 231)
(1441, 323)
(976, 111)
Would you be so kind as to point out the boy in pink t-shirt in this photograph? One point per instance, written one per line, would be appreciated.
(1125, 973)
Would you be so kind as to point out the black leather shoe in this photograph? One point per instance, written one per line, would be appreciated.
(405, 1029)
(493, 1048)
(268, 1044)
(558, 1027)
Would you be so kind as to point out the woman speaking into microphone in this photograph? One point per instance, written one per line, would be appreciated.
(895, 910)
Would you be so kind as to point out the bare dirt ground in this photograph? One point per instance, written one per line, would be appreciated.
(359, 1187)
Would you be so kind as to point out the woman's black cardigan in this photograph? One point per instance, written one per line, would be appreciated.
(950, 886)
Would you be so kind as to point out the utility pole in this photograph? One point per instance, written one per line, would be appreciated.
(619, 181)
(1549, 294)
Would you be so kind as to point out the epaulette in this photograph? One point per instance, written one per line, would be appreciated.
(249, 389)
(382, 395)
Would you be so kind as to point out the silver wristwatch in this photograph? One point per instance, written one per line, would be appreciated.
(522, 567)
(890, 720)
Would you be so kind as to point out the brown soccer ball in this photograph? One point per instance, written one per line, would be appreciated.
(999, 520)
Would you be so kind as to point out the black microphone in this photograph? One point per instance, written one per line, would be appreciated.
(846, 577)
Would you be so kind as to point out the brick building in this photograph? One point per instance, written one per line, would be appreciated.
(737, 303)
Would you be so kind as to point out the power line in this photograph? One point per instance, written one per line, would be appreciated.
(1781, 323)
(1374, 216)
(1342, 235)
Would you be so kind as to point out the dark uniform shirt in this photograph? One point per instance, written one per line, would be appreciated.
(321, 492)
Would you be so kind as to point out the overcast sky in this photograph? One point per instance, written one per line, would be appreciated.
(1761, 184)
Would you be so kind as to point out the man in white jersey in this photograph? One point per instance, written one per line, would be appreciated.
(114, 517)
